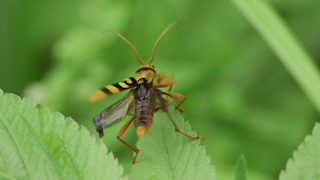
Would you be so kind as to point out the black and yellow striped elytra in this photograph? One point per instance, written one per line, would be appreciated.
(112, 89)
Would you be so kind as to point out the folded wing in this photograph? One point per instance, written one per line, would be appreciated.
(114, 113)
(156, 100)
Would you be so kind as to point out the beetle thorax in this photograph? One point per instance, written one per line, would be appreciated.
(145, 72)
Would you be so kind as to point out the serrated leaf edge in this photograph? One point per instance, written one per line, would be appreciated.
(71, 120)
(291, 159)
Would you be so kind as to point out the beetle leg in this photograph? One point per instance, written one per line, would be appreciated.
(176, 96)
(176, 127)
(122, 130)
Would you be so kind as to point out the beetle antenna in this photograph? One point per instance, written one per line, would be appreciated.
(164, 32)
(135, 51)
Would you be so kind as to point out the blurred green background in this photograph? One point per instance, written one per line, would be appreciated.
(238, 94)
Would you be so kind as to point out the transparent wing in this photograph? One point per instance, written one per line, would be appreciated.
(156, 100)
(114, 113)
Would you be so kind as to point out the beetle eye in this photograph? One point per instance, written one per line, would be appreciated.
(152, 66)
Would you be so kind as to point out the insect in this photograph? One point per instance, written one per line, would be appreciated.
(144, 97)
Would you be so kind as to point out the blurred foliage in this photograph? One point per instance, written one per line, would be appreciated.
(280, 39)
(238, 94)
(241, 169)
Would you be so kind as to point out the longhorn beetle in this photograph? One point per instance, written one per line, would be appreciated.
(145, 98)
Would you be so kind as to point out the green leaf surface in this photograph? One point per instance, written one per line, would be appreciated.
(241, 169)
(305, 163)
(166, 154)
(39, 144)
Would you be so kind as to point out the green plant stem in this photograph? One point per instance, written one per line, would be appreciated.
(281, 40)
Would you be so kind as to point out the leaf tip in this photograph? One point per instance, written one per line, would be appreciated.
(241, 168)
(1, 92)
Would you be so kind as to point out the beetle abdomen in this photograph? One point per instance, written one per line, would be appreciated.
(143, 116)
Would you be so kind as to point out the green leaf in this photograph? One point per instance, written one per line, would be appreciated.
(39, 144)
(241, 169)
(305, 163)
(284, 44)
(166, 154)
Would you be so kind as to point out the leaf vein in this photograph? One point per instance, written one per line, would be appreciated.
(78, 145)
(155, 170)
(70, 155)
(41, 124)
(8, 177)
(166, 152)
(14, 140)
(16, 144)
(52, 134)
(34, 133)
(5, 161)
(195, 167)
(176, 135)
(187, 160)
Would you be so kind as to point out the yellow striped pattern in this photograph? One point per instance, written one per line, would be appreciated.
(112, 89)
(97, 95)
